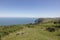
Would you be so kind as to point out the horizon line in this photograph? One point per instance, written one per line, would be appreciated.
(29, 17)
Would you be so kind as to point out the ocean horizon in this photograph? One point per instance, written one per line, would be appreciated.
(16, 20)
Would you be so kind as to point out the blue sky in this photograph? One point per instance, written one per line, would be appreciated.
(29, 8)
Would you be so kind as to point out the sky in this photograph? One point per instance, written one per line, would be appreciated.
(30, 8)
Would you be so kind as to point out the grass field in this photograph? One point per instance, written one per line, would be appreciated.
(36, 33)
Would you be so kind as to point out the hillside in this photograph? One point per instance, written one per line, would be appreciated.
(45, 29)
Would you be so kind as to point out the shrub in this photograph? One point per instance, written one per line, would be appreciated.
(17, 34)
(50, 29)
(57, 22)
(57, 26)
(0, 37)
(30, 26)
(58, 35)
(6, 33)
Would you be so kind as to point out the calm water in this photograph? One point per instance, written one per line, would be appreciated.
(12, 21)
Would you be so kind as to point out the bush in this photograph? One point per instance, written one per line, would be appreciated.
(0, 37)
(17, 34)
(57, 26)
(57, 22)
(58, 35)
(50, 29)
(30, 26)
(6, 33)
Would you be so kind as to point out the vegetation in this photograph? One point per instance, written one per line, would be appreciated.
(42, 29)
(6, 30)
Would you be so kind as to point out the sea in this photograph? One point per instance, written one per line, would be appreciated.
(15, 21)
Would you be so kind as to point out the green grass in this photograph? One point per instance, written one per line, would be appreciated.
(36, 33)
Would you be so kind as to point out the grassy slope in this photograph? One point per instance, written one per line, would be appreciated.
(36, 33)
(31, 32)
